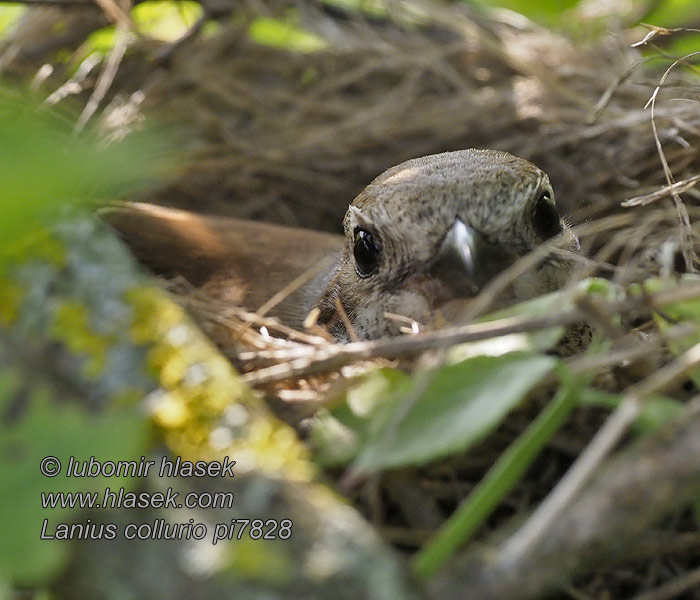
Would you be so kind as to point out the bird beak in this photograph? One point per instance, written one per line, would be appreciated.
(466, 262)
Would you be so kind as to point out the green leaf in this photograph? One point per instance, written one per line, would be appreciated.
(673, 13)
(284, 34)
(685, 44)
(102, 40)
(448, 409)
(10, 14)
(499, 481)
(48, 428)
(338, 435)
(166, 20)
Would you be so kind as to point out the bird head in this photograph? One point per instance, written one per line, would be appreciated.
(437, 228)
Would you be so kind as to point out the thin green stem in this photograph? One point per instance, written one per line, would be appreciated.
(496, 484)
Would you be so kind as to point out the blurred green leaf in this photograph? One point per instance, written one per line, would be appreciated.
(102, 40)
(44, 167)
(10, 14)
(685, 44)
(446, 410)
(284, 34)
(166, 20)
(25, 558)
(673, 13)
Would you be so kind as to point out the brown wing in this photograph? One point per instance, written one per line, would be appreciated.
(244, 262)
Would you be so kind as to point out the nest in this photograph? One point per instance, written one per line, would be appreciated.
(292, 137)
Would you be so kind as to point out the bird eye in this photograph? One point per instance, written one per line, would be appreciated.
(545, 217)
(366, 252)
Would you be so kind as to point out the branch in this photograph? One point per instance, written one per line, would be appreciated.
(314, 360)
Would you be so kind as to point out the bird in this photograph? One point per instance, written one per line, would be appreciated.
(421, 234)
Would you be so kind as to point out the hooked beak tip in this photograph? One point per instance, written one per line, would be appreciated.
(466, 261)
(454, 264)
